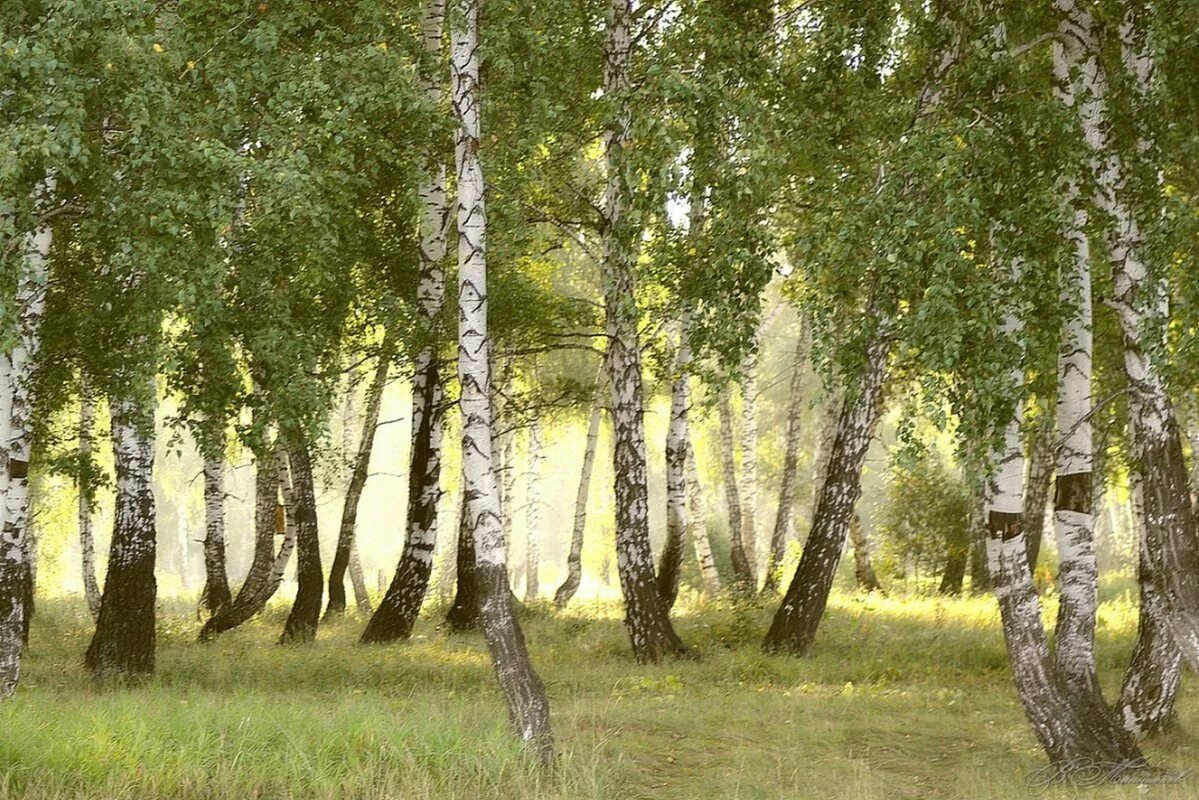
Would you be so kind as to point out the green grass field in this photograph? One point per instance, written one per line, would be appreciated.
(902, 698)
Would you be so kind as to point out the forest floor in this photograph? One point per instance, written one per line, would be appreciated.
(902, 697)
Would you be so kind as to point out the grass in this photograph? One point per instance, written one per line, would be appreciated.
(904, 697)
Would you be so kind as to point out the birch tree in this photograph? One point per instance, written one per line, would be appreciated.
(646, 618)
(1173, 548)
(574, 559)
(528, 707)
(301, 624)
(677, 439)
(359, 471)
(401, 603)
(787, 479)
(87, 539)
(123, 643)
(17, 373)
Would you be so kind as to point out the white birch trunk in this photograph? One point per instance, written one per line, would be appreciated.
(677, 438)
(1078, 574)
(1139, 304)
(646, 618)
(402, 601)
(527, 704)
(749, 463)
(87, 539)
(16, 428)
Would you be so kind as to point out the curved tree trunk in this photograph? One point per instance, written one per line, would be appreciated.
(786, 506)
(574, 560)
(647, 619)
(123, 644)
(794, 626)
(1173, 543)
(216, 581)
(698, 518)
(87, 539)
(677, 438)
(16, 428)
(401, 603)
(266, 568)
(301, 624)
(743, 577)
(1072, 722)
(528, 707)
(349, 512)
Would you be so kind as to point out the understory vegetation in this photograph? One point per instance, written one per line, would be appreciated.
(907, 696)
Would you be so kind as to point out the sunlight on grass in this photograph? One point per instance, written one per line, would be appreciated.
(904, 696)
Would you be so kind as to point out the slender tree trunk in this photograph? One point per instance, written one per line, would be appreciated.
(216, 581)
(794, 626)
(786, 505)
(677, 438)
(955, 561)
(87, 539)
(1071, 721)
(743, 577)
(647, 619)
(749, 467)
(301, 624)
(16, 566)
(574, 560)
(533, 516)
(362, 598)
(1173, 546)
(528, 706)
(1036, 490)
(863, 570)
(123, 644)
(698, 517)
(401, 603)
(464, 612)
(266, 568)
(980, 576)
(349, 513)
(267, 565)
(1073, 517)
